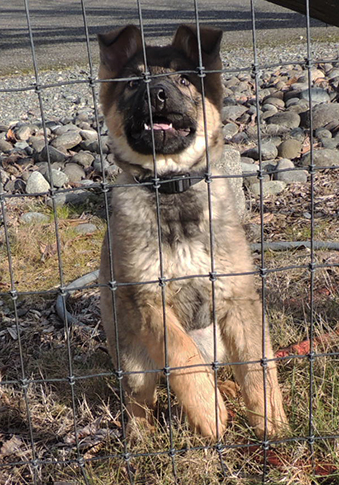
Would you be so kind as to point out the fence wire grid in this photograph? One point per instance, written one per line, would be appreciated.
(74, 464)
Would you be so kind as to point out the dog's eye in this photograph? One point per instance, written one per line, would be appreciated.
(133, 83)
(184, 81)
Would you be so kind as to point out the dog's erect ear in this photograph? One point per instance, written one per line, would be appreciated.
(185, 39)
(116, 48)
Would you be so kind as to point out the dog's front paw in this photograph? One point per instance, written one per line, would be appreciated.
(202, 417)
(138, 428)
(276, 424)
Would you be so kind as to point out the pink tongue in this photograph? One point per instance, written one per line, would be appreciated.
(162, 126)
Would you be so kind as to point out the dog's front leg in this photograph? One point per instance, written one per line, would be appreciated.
(193, 386)
(242, 333)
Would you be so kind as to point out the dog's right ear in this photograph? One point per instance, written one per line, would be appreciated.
(116, 48)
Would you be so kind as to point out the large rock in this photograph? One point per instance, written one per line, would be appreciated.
(74, 172)
(59, 178)
(5, 146)
(230, 165)
(68, 140)
(322, 158)
(318, 95)
(288, 119)
(34, 218)
(289, 148)
(273, 187)
(323, 115)
(55, 155)
(37, 183)
(268, 151)
(232, 113)
(291, 175)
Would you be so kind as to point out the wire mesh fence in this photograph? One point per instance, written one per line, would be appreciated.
(73, 442)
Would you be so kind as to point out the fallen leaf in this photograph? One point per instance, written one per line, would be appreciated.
(267, 218)
(13, 332)
(11, 446)
(10, 135)
(47, 250)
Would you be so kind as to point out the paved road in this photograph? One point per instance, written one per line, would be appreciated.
(59, 33)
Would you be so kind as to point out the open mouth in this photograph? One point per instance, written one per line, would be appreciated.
(166, 125)
(171, 133)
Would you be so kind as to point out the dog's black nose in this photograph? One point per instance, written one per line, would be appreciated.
(161, 95)
(158, 97)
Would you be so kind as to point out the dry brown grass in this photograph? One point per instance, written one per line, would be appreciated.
(49, 357)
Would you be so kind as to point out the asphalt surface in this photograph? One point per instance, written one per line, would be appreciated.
(59, 38)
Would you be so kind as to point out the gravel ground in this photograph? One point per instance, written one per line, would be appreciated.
(72, 133)
(65, 100)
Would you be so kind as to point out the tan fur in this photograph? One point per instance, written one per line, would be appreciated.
(140, 324)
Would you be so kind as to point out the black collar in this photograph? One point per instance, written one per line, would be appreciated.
(171, 183)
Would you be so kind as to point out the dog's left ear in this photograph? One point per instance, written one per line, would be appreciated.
(186, 40)
(116, 48)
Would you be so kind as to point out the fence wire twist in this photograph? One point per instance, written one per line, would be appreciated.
(35, 464)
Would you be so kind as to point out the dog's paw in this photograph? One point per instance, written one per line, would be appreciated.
(137, 429)
(228, 388)
(276, 424)
(203, 419)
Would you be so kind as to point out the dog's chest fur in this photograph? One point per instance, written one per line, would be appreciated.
(183, 220)
(185, 246)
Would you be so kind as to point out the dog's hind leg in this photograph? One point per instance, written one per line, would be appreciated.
(194, 384)
(242, 333)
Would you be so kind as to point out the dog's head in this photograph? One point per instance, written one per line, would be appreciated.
(161, 112)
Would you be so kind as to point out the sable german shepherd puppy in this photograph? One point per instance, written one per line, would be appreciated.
(177, 130)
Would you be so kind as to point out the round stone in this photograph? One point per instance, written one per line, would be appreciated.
(37, 143)
(232, 113)
(323, 115)
(5, 146)
(289, 176)
(322, 158)
(21, 145)
(98, 166)
(59, 201)
(68, 140)
(288, 119)
(270, 108)
(233, 81)
(62, 129)
(229, 101)
(74, 172)
(36, 183)
(229, 130)
(289, 149)
(90, 135)
(298, 134)
(268, 151)
(249, 167)
(23, 132)
(59, 178)
(34, 218)
(54, 154)
(85, 159)
(318, 95)
(277, 102)
(272, 187)
(333, 73)
(322, 133)
(330, 143)
(85, 228)
(92, 146)
(292, 102)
